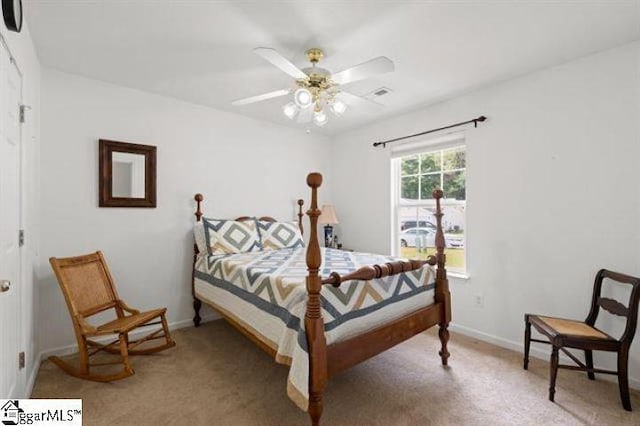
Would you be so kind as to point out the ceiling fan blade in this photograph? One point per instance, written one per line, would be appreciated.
(279, 61)
(262, 97)
(379, 65)
(305, 115)
(358, 101)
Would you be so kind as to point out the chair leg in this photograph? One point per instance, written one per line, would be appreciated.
(554, 373)
(124, 352)
(165, 328)
(84, 356)
(527, 341)
(588, 358)
(623, 378)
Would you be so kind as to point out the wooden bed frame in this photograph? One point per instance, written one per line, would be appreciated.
(327, 360)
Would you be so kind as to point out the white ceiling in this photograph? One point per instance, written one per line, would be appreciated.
(201, 51)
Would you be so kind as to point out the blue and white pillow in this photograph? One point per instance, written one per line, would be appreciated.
(277, 235)
(224, 236)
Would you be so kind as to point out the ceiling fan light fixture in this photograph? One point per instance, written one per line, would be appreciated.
(315, 89)
(320, 118)
(302, 97)
(338, 107)
(290, 110)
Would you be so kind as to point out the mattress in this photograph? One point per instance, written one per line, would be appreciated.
(264, 291)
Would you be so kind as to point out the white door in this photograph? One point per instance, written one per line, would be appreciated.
(10, 166)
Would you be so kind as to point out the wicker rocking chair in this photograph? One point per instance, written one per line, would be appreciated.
(88, 289)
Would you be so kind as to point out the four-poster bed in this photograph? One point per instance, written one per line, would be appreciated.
(360, 306)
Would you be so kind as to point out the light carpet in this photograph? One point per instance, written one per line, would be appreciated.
(216, 376)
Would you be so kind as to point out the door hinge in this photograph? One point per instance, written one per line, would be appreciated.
(23, 108)
(21, 360)
(21, 238)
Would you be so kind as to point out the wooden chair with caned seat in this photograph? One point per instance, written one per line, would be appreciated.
(564, 333)
(88, 289)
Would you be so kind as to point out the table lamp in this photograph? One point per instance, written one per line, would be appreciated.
(328, 218)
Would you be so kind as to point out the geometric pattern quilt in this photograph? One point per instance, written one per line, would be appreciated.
(266, 290)
(229, 236)
(277, 235)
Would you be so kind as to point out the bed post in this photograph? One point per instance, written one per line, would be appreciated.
(300, 216)
(442, 294)
(197, 304)
(313, 323)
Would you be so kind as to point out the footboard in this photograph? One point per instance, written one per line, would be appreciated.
(325, 361)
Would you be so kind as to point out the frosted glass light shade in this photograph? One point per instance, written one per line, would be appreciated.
(328, 215)
(290, 110)
(338, 107)
(302, 98)
(320, 118)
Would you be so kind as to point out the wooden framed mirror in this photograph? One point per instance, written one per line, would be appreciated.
(127, 175)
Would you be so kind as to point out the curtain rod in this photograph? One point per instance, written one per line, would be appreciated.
(474, 121)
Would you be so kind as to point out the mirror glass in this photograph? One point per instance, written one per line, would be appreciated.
(128, 174)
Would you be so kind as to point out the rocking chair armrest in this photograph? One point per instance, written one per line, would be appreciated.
(128, 308)
(85, 326)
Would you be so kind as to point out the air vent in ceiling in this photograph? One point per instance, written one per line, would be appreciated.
(381, 91)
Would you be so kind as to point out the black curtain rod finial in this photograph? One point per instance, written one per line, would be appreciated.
(480, 119)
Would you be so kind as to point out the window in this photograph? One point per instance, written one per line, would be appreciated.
(416, 175)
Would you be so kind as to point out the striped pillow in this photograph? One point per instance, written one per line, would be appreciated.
(277, 235)
(229, 236)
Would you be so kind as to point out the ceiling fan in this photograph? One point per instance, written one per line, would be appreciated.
(315, 88)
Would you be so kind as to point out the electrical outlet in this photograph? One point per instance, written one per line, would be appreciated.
(478, 300)
(21, 360)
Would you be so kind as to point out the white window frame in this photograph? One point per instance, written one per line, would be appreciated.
(422, 147)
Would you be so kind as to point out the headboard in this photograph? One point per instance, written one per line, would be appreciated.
(199, 198)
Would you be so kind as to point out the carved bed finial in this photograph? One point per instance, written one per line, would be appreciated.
(314, 180)
(198, 197)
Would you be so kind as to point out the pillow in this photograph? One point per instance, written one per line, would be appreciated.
(277, 235)
(229, 236)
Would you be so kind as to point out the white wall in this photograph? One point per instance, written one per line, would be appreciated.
(242, 166)
(552, 191)
(21, 47)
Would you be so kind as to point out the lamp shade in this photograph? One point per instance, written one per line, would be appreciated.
(328, 216)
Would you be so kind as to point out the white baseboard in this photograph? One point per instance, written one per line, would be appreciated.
(536, 351)
(72, 349)
(32, 378)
